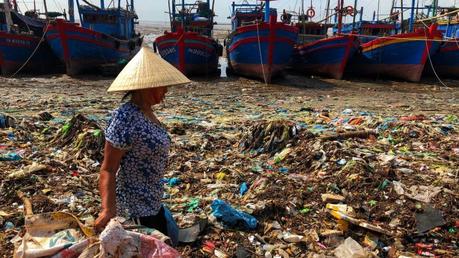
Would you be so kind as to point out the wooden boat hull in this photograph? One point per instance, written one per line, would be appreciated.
(83, 49)
(191, 53)
(261, 51)
(327, 57)
(400, 56)
(17, 50)
(446, 60)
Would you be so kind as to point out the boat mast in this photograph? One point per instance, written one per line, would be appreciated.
(267, 11)
(340, 15)
(171, 14)
(402, 29)
(71, 11)
(435, 6)
(46, 9)
(355, 15)
(79, 13)
(9, 20)
(183, 14)
(379, 4)
(211, 17)
(413, 5)
(303, 16)
(102, 4)
(327, 13)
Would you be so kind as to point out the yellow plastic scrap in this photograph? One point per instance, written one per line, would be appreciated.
(282, 155)
(220, 176)
(341, 209)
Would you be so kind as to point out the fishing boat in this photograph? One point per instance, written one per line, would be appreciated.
(445, 61)
(190, 46)
(22, 46)
(258, 45)
(105, 37)
(326, 56)
(401, 56)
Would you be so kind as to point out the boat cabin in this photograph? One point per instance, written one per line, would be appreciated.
(372, 29)
(115, 21)
(246, 14)
(196, 17)
(22, 24)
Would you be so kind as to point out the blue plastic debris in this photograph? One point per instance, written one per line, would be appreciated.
(348, 111)
(446, 129)
(11, 136)
(6, 121)
(243, 188)
(231, 217)
(174, 181)
(171, 181)
(2, 121)
(10, 157)
(8, 225)
(341, 162)
(283, 170)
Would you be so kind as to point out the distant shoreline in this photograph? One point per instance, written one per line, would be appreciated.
(166, 23)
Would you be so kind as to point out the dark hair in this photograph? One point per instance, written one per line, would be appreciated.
(126, 95)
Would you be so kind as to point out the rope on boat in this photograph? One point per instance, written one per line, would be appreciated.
(430, 59)
(260, 53)
(34, 51)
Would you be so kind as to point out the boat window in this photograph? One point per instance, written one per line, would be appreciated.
(97, 18)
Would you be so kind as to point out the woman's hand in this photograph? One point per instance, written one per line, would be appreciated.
(103, 219)
(107, 184)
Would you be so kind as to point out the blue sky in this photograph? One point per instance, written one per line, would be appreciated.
(154, 10)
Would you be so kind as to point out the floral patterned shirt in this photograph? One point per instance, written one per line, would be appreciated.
(138, 180)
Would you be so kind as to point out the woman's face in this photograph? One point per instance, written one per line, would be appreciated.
(154, 96)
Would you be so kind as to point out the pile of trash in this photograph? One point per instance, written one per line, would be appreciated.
(82, 136)
(269, 136)
(310, 182)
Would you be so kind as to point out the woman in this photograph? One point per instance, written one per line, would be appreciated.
(137, 145)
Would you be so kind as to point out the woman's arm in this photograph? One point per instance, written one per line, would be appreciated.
(107, 184)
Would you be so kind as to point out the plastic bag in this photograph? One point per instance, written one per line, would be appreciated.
(232, 217)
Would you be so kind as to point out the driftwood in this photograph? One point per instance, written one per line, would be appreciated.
(343, 136)
(27, 203)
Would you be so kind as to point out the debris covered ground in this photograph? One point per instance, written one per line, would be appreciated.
(303, 167)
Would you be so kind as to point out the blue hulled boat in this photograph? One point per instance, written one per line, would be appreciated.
(259, 46)
(325, 56)
(106, 37)
(22, 47)
(190, 46)
(401, 56)
(446, 60)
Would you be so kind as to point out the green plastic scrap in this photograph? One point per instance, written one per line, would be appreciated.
(384, 184)
(97, 133)
(65, 129)
(257, 168)
(193, 204)
(305, 210)
(372, 203)
(451, 118)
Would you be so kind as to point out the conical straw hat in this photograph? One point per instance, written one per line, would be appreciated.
(147, 70)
